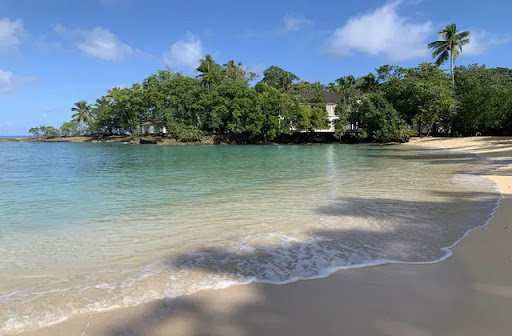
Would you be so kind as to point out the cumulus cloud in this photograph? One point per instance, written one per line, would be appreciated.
(481, 41)
(98, 42)
(184, 53)
(102, 43)
(11, 32)
(289, 23)
(293, 22)
(383, 32)
(10, 82)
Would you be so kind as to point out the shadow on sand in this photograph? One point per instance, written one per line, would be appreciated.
(265, 309)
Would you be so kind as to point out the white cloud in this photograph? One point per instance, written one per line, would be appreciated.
(481, 41)
(184, 53)
(383, 32)
(44, 44)
(102, 43)
(295, 23)
(98, 42)
(11, 33)
(10, 82)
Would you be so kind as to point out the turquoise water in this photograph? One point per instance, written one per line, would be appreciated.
(87, 227)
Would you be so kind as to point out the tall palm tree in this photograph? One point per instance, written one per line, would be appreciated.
(450, 46)
(82, 112)
(210, 71)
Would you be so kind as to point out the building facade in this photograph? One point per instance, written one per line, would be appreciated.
(331, 100)
(152, 127)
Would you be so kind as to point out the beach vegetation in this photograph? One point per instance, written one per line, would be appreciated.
(449, 47)
(71, 128)
(82, 112)
(45, 132)
(388, 104)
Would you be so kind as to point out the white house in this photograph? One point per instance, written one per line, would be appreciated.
(152, 127)
(331, 100)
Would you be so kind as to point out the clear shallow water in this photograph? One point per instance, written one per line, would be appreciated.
(87, 227)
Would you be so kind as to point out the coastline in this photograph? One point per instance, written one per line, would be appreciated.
(166, 140)
(159, 140)
(468, 294)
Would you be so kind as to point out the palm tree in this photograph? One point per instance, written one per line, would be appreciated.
(368, 83)
(346, 82)
(209, 71)
(104, 101)
(82, 112)
(450, 46)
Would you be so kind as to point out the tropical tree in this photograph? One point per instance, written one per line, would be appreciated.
(345, 83)
(484, 101)
(237, 71)
(82, 112)
(70, 128)
(210, 71)
(368, 83)
(279, 78)
(450, 46)
(35, 131)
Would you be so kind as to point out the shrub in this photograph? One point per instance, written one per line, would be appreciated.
(381, 120)
(184, 132)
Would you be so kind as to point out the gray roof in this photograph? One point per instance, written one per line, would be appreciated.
(330, 97)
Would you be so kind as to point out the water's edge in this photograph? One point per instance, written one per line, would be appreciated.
(447, 253)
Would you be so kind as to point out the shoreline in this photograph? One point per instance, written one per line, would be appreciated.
(389, 299)
(166, 140)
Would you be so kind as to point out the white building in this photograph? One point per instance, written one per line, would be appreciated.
(152, 127)
(331, 100)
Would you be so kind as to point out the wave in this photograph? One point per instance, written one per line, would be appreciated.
(272, 257)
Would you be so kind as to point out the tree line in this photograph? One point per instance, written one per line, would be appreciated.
(389, 104)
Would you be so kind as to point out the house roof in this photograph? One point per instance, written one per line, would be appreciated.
(330, 97)
(152, 123)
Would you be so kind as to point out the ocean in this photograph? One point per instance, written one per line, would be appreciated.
(94, 226)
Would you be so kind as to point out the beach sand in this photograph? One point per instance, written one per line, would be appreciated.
(467, 294)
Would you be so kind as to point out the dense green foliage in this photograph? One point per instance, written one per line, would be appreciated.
(388, 105)
(279, 78)
(220, 100)
(423, 95)
(44, 132)
(381, 121)
(484, 101)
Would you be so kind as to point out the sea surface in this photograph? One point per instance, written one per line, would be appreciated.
(88, 227)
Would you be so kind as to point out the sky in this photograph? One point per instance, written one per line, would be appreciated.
(56, 52)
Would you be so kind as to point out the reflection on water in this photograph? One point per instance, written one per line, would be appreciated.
(93, 226)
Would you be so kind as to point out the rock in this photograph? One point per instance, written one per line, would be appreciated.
(148, 141)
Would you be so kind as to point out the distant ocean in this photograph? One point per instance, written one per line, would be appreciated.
(14, 136)
(87, 227)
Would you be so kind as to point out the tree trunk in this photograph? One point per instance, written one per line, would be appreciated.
(451, 67)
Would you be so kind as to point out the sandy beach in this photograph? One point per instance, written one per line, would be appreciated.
(470, 293)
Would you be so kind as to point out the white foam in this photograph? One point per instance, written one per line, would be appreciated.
(309, 254)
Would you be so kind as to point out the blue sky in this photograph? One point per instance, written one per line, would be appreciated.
(56, 52)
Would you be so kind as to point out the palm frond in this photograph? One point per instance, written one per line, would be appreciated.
(439, 51)
(443, 57)
(463, 35)
(436, 44)
(464, 42)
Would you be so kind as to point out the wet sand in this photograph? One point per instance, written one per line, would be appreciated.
(467, 294)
